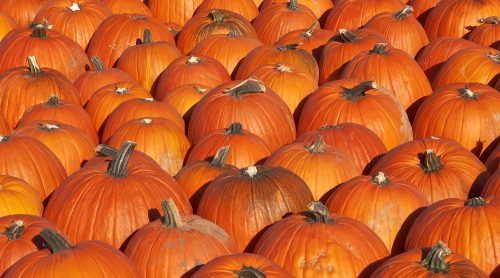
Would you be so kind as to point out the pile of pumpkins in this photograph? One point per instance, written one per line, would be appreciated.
(249, 138)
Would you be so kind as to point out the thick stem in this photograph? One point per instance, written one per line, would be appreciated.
(403, 13)
(347, 36)
(171, 215)
(106, 150)
(380, 179)
(75, 7)
(309, 31)
(33, 66)
(494, 57)
(147, 36)
(118, 166)
(435, 259)
(250, 171)
(249, 272)
(282, 68)
(380, 48)
(235, 128)
(15, 230)
(220, 157)
(216, 16)
(475, 202)
(318, 146)
(54, 240)
(320, 213)
(293, 5)
(467, 93)
(97, 64)
(490, 20)
(48, 126)
(249, 86)
(53, 101)
(431, 162)
(359, 91)
(40, 31)
(290, 46)
(194, 60)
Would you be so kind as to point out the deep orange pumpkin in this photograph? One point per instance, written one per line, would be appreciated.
(22, 11)
(174, 11)
(488, 33)
(184, 98)
(492, 187)
(128, 7)
(320, 8)
(18, 197)
(310, 39)
(7, 24)
(246, 8)
(5, 128)
(422, 8)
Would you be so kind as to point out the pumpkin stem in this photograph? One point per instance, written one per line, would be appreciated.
(249, 86)
(475, 202)
(250, 171)
(33, 65)
(282, 68)
(220, 157)
(233, 33)
(121, 91)
(293, 5)
(290, 46)
(200, 89)
(4, 138)
(48, 126)
(327, 126)
(431, 162)
(380, 179)
(490, 20)
(106, 150)
(403, 13)
(118, 166)
(380, 48)
(347, 36)
(97, 64)
(249, 272)
(15, 230)
(55, 241)
(171, 215)
(53, 101)
(74, 7)
(235, 128)
(320, 213)
(147, 36)
(194, 60)
(494, 57)
(138, 17)
(318, 146)
(40, 31)
(467, 93)
(216, 16)
(309, 31)
(146, 121)
(434, 261)
(359, 91)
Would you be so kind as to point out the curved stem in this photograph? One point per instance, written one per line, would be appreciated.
(249, 86)
(193, 60)
(347, 36)
(318, 146)
(359, 91)
(431, 162)
(40, 31)
(216, 16)
(53, 101)
(33, 65)
(54, 240)
(435, 259)
(475, 202)
(249, 272)
(309, 31)
(403, 13)
(490, 20)
(171, 215)
(97, 64)
(380, 48)
(118, 166)
(293, 5)
(320, 213)
(15, 230)
(290, 46)
(220, 157)
(147, 36)
(494, 57)
(467, 93)
(380, 179)
(74, 7)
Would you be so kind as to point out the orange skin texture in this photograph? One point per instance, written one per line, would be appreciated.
(463, 173)
(374, 204)
(246, 8)
(337, 53)
(28, 159)
(231, 197)
(202, 25)
(277, 20)
(471, 122)
(208, 72)
(13, 250)
(422, 8)
(328, 106)
(492, 187)
(313, 44)
(320, 8)
(120, 31)
(225, 266)
(183, 98)
(6, 24)
(342, 248)
(137, 108)
(486, 34)
(450, 18)
(128, 7)
(493, 160)
(18, 197)
(167, 251)
(469, 231)
(22, 11)
(4, 126)
(176, 11)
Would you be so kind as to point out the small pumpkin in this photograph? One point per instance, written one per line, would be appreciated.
(18, 197)
(246, 8)
(488, 33)
(22, 11)
(183, 98)
(492, 187)
(128, 7)
(310, 39)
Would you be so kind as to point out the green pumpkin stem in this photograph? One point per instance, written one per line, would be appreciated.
(347, 36)
(147, 36)
(249, 86)
(220, 157)
(309, 31)
(293, 5)
(171, 215)
(33, 66)
(15, 230)
(319, 212)
(407, 10)
(317, 146)
(216, 16)
(249, 272)
(54, 240)
(435, 259)
(380, 179)
(359, 91)
(97, 64)
(380, 48)
(40, 31)
(475, 202)
(118, 166)
(431, 162)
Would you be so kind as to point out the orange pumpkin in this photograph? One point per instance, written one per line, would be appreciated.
(246, 8)
(488, 33)
(310, 39)
(128, 7)
(492, 187)
(22, 11)
(18, 197)
(183, 98)
(320, 8)
(4, 126)
(7, 24)
(422, 8)
(492, 163)
(174, 11)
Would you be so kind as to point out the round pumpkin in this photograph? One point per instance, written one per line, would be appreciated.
(320, 8)
(488, 33)
(7, 24)
(22, 11)
(310, 39)
(264, 192)
(18, 197)
(128, 7)
(246, 8)
(492, 187)
(422, 8)
(183, 98)
(174, 11)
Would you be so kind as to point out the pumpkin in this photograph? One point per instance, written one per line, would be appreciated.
(437, 261)
(343, 48)
(159, 138)
(7, 24)
(228, 49)
(76, 20)
(379, 198)
(19, 237)
(249, 102)
(313, 243)
(137, 187)
(183, 98)
(265, 192)
(128, 7)
(493, 159)
(319, 165)
(422, 8)
(288, 54)
(146, 61)
(432, 57)
(22, 11)
(213, 22)
(356, 13)
(18, 197)
(351, 101)
(310, 39)
(122, 31)
(243, 265)
(402, 30)
(277, 20)
(351, 139)
(492, 187)
(176, 244)
(246, 148)
(292, 85)
(468, 227)
(390, 68)
(443, 23)
(137, 108)
(246, 8)
(320, 8)
(195, 176)
(109, 97)
(488, 33)
(205, 71)
(4, 126)
(439, 167)
(474, 125)
(56, 109)
(93, 258)
(71, 145)
(479, 64)
(174, 11)
(52, 49)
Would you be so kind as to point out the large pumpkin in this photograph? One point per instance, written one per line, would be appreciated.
(264, 192)
(315, 243)
(439, 167)
(22, 11)
(128, 7)
(7, 24)
(319, 7)
(468, 227)
(488, 33)
(351, 101)
(246, 8)
(174, 11)
(18, 197)
(177, 244)
(310, 39)
(137, 188)
(184, 98)
(492, 187)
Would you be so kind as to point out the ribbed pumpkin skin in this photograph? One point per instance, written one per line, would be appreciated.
(462, 174)
(22, 11)
(451, 113)
(341, 248)
(18, 197)
(374, 203)
(352, 139)
(183, 98)
(492, 187)
(122, 31)
(471, 231)
(486, 34)
(353, 14)
(492, 163)
(434, 55)
(78, 25)
(56, 52)
(6, 24)
(225, 266)
(318, 7)
(13, 250)
(246, 8)
(470, 65)
(204, 70)
(311, 39)
(422, 8)
(338, 52)
(128, 7)
(449, 18)
(328, 106)
(4, 126)
(208, 23)
(175, 11)
(231, 197)
(28, 159)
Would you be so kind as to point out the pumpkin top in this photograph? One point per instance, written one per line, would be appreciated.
(171, 216)
(40, 31)
(403, 13)
(317, 146)
(430, 162)
(309, 31)
(33, 66)
(147, 36)
(235, 128)
(290, 46)
(359, 91)
(380, 179)
(3, 138)
(15, 230)
(293, 5)
(193, 60)
(435, 259)
(249, 272)
(490, 20)
(216, 15)
(97, 64)
(283, 68)
(250, 171)
(75, 7)
(347, 36)
(318, 213)
(53, 101)
(48, 126)
(494, 57)
(118, 165)
(249, 86)
(54, 240)
(121, 91)
(476, 202)
(467, 93)
(380, 48)
(220, 157)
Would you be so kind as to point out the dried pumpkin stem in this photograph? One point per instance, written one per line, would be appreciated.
(15, 230)
(467, 93)
(235, 128)
(4, 138)
(359, 91)
(53, 101)
(220, 157)
(49, 126)
(309, 31)
(347, 36)
(494, 57)
(121, 91)
(171, 215)
(431, 162)
(138, 17)
(490, 20)
(216, 16)
(380, 48)
(435, 259)
(475, 202)
(250, 171)
(290, 46)
(147, 36)
(380, 179)
(233, 33)
(320, 213)
(293, 5)
(200, 89)
(97, 64)
(283, 68)
(318, 146)
(193, 60)
(106, 150)
(118, 166)
(249, 86)
(403, 13)
(249, 272)
(74, 7)
(54, 240)
(33, 66)
(40, 31)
